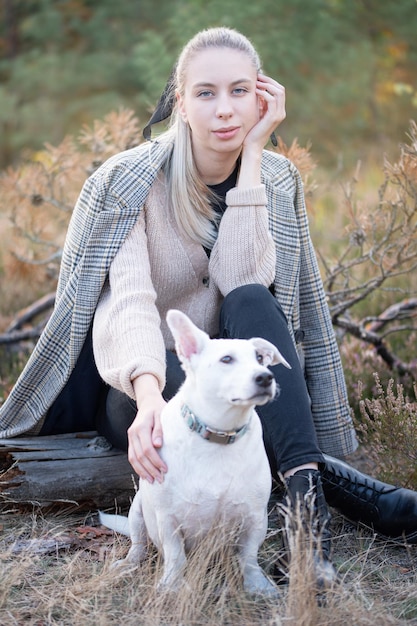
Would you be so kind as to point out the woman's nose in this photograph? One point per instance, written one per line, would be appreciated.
(224, 106)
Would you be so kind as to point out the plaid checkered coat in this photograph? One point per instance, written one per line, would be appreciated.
(107, 208)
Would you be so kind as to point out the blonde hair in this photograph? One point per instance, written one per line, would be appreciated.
(190, 196)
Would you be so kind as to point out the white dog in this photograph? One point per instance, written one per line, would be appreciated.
(213, 448)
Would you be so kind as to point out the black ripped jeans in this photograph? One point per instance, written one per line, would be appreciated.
(289, 435)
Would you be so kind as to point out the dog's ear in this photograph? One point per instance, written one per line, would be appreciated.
(271, 354)
(189, 339)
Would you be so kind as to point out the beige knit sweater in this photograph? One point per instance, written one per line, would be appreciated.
(158, 268)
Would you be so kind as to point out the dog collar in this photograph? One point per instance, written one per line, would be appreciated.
(217, 436)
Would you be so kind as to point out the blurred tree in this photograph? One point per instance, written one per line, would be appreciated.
(349, 67)
(72, 61)
(338, 60)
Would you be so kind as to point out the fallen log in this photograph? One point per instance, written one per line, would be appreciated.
(81, 469)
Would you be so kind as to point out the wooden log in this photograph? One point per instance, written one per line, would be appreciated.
(78, 468)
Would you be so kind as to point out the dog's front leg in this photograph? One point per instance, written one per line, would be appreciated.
(174, 559)
(254, 579)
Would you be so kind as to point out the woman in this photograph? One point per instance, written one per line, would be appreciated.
(205, 220)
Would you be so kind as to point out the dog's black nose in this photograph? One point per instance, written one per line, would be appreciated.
(264, 380)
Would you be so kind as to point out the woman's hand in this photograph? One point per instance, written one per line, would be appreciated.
(271, 98)
(145, 432)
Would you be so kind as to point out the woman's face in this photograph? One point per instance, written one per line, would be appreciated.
(219, 102)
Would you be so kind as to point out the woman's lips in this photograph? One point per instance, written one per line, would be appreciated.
(226, 133)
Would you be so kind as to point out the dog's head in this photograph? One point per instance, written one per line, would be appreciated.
(235, 370)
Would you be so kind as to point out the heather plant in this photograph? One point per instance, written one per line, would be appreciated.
(388, 431)
(362, 362)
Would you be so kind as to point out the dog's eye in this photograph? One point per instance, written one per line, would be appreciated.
(226, 359)
(259, 358)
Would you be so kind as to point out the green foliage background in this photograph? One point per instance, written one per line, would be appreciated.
(349, 66)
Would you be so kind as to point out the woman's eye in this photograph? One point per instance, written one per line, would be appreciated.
(240, 90)
(226, 359)
(204, 94)
(259, 358)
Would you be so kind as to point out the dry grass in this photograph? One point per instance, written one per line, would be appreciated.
(55, 570)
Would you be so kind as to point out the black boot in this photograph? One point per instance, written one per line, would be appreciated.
(305, 494)
(390, 511)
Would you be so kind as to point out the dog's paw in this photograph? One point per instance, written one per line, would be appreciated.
(260, 585)
(172, 584)
(123, 566)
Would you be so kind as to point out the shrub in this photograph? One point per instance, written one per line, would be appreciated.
(362, 363)
(389, 431)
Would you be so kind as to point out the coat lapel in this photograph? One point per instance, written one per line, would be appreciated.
(284, 229)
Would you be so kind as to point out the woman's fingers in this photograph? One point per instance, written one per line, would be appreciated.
(273, 94)
(271, 111)
(145, 434)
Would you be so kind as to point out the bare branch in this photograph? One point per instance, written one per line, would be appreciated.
(378, 256)
(29, 313)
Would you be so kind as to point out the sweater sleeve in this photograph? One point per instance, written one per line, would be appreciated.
(244, 252)
(127, 339)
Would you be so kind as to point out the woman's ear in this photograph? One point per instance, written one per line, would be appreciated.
(262, 105)
(180, 106)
